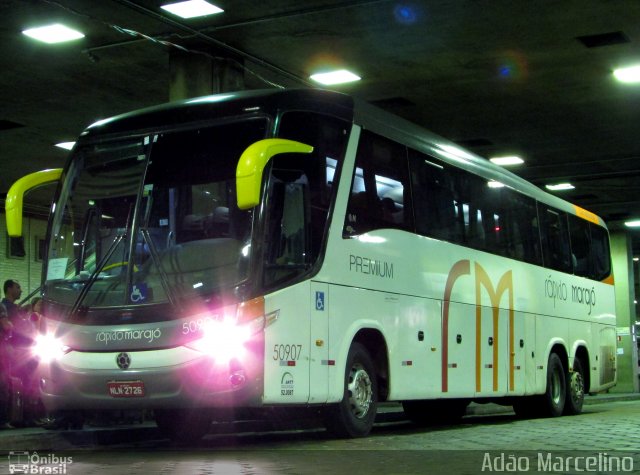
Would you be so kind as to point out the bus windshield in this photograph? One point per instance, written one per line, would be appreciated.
(152, 219)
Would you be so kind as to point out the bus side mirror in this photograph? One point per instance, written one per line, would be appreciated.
(252, 163)
(14, 202)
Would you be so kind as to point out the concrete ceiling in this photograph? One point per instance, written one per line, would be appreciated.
(500, 77)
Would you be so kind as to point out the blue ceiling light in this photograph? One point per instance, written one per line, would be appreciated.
(405, 14)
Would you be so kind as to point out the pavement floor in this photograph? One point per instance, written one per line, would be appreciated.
(103, 434)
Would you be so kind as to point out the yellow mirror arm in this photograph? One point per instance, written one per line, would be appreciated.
(14, 202)
(252, 163)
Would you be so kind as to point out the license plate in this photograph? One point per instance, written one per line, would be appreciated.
(125, 388)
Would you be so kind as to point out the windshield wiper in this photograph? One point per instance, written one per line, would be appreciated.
(94, 275)
(164, 280)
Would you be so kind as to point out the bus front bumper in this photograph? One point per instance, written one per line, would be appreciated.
(170, 378)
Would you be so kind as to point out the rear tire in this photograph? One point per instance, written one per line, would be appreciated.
(355, 414)
(183, 425)
(575, 390)
(552, 402)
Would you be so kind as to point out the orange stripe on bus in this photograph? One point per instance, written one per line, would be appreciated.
(588, 215)
(609, 280)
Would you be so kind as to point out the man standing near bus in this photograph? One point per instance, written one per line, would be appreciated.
(12, 293)
(5, 368)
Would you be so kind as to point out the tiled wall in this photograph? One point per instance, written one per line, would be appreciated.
(26, 270)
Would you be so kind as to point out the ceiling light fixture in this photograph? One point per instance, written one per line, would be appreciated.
(495, 184)
(560, 187)
(192, 8)
(507, 161)
(340, 76)
(633, 224)
(66, 145)
(55, 33)
(628, 75)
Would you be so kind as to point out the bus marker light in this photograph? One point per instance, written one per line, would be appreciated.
(237, 378)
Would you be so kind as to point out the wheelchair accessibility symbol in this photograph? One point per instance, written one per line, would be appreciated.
(139, 292)
(320, 301)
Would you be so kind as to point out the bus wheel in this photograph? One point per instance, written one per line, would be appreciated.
(575, 390)
(355, 414)
(553, 400)
(183, 425)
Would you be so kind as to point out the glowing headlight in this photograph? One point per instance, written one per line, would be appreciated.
(48, 348)
(223, 341)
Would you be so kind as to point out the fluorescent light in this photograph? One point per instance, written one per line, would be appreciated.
(495, 184)
(507, 161)
(335, 77)
(560, 187)
(628, 75)
(636, 259)
(55, 33)
(66, 145)
(633, 224)
(192, 8)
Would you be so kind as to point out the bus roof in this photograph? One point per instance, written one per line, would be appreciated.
(270, 101)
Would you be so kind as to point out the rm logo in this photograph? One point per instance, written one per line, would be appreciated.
(460, 270)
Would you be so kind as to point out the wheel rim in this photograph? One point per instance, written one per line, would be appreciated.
(360, 391)
(577, 388)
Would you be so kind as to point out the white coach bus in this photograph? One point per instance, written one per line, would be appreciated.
(301, 248)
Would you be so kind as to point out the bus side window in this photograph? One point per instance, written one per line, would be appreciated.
(580, 246)
(380, 192)
(328, 135)
(435, 204)
(600, 252)
(555, 240)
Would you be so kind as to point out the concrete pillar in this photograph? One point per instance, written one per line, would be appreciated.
(194, 75)
(625, 312)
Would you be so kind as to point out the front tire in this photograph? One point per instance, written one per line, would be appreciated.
(575, 390)
(355, 414)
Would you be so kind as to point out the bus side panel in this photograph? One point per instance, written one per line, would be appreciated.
(603, 373)
(319, 363)
(459, 356)
(410, 327)
(529, 353)
(287, 349)
(415, 371)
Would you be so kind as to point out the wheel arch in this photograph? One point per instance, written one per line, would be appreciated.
(582, 353)
(376, 345)
(558, 347)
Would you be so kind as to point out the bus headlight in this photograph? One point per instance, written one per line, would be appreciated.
(224, 338)
(223, 341)
(48, 348)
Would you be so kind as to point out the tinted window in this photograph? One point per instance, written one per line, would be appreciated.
(380, 191)
(589, 249)
(300, 191)
(555, 239)
(600, 252)
(458, 206)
